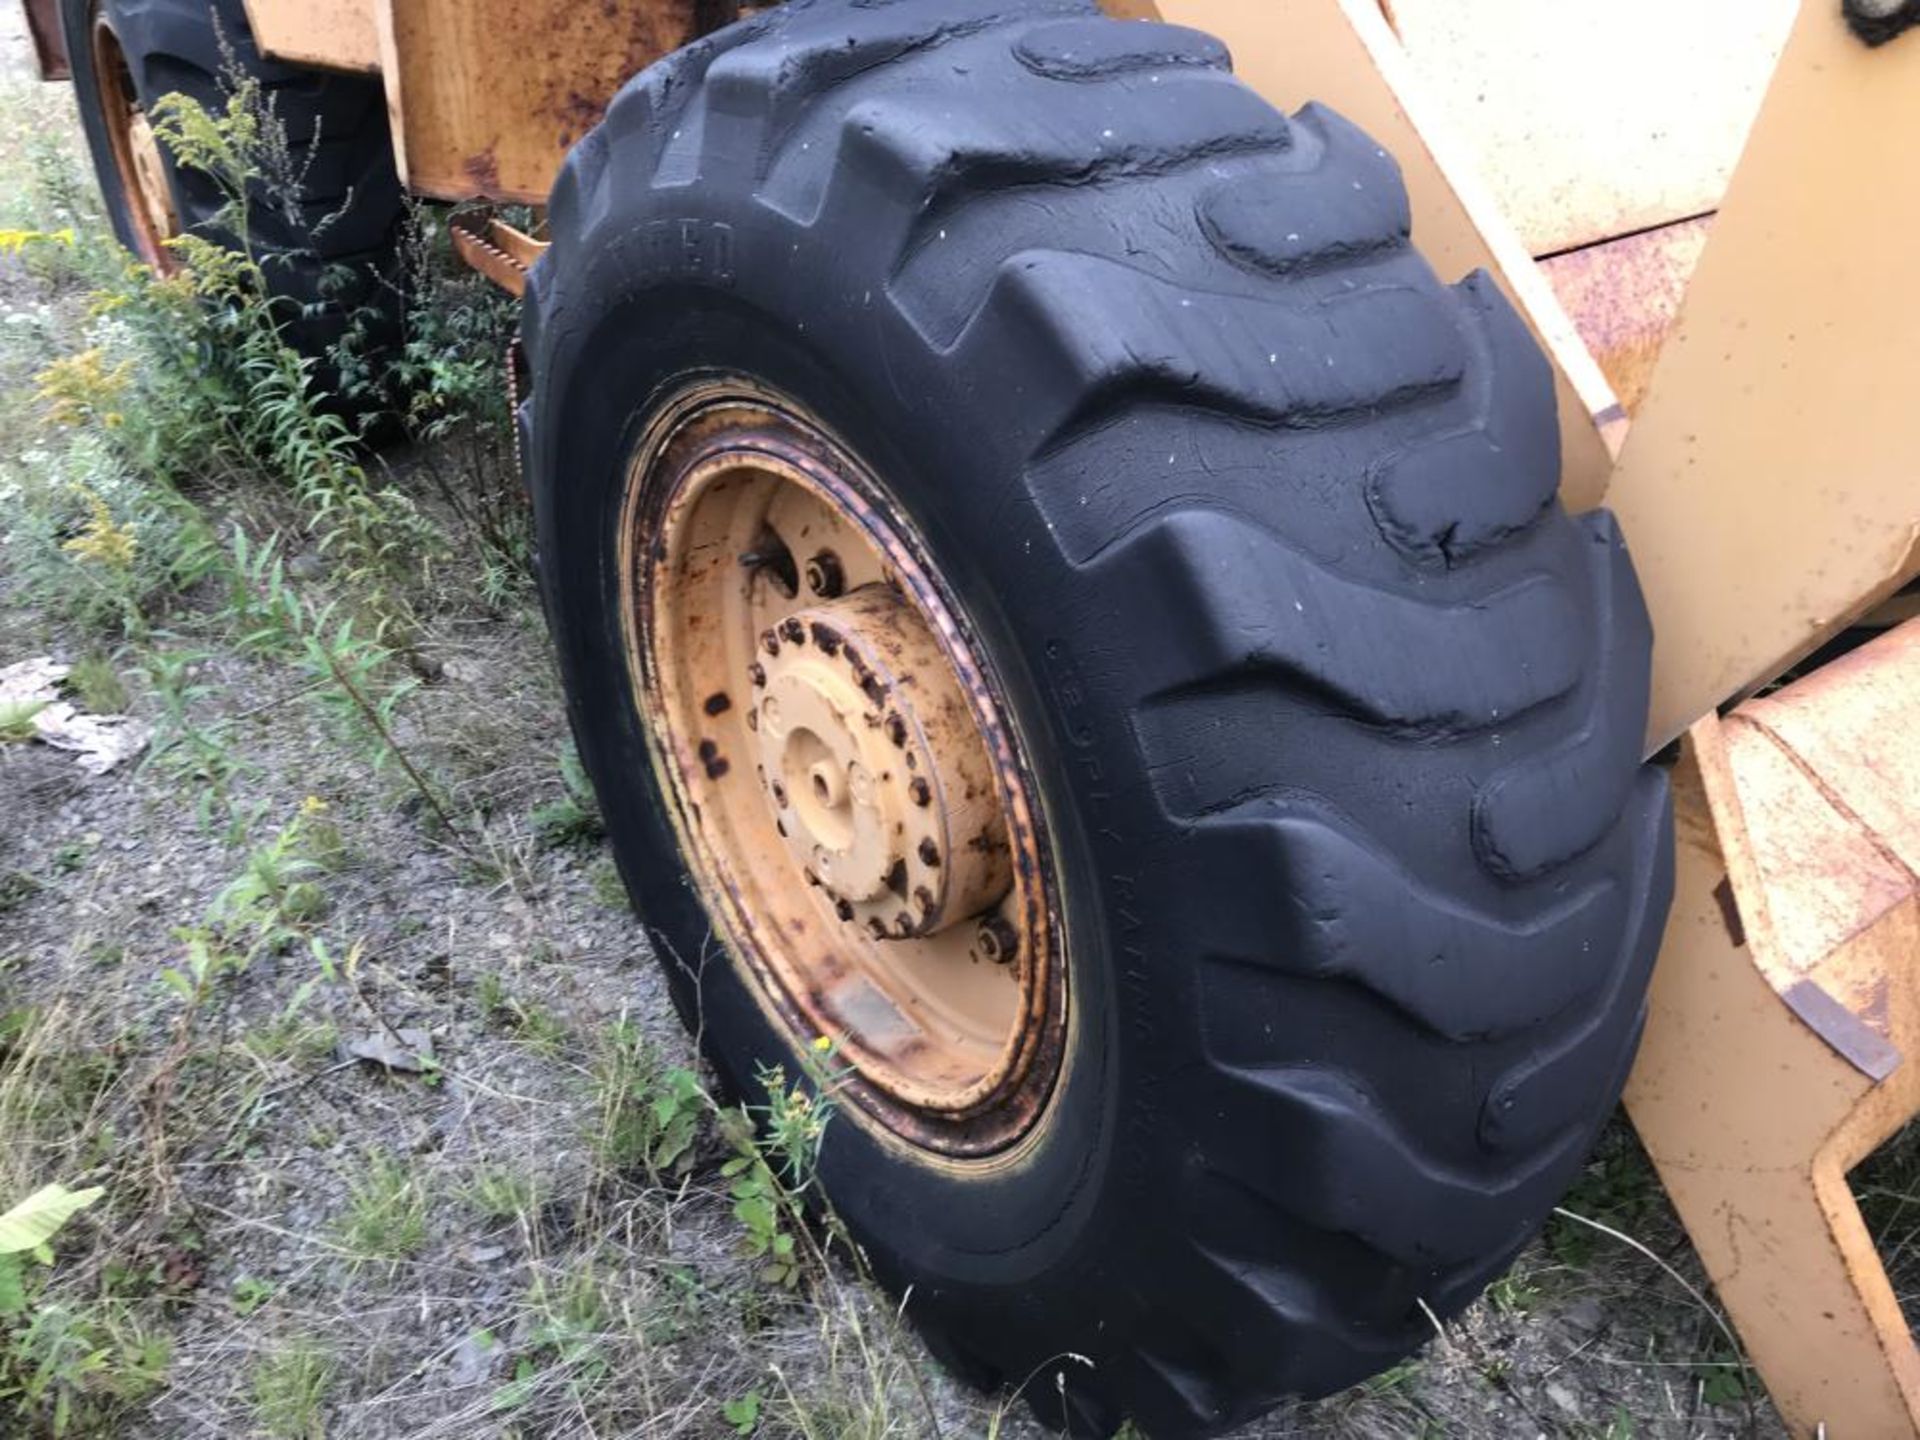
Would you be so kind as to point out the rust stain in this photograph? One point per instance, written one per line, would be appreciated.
(483, 170)
(1624, 297)
(592, 50)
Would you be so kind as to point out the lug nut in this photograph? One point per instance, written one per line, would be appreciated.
(996, 941)
(929, 854)
(825, 577)
(920, 791)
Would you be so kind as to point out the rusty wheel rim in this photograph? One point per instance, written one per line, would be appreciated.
(136, 152)
(845, 782)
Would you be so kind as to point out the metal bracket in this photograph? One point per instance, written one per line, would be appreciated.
(494, 248)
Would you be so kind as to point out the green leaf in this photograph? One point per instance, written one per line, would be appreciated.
(38, 1218)
(743, 1414)
(13, 1290)
(1721, 1384)
(519, 1390)
(756, 1214)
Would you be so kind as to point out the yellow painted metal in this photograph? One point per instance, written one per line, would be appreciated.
(494, 248)
(1770, 489)
(489, 95)
(1591, 119)
(1342, 52)
(1783, 1036)
(331, 34)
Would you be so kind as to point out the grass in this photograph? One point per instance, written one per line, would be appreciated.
(504, 1193)
(97, 685)
(386, 1215)
(290, 1385)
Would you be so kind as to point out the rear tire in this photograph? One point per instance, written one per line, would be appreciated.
(334, 261)
(1336, 715)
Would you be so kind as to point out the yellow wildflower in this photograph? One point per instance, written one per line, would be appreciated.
(104, 541)
(82, 388)
(14, 242)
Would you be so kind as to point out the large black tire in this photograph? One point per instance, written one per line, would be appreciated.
(1336, 713)
(334, 261)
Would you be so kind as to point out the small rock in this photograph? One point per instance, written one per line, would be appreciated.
(410, 1052)
(1586, 1316)
(1563, 1398)
(474, 1357)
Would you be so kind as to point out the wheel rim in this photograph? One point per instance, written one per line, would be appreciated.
(846, 784)
(136, 152)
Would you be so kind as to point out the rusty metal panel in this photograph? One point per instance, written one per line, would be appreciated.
(329, 34)
(49, 40)
(1343, 53)
(1770, 487)
(489, 95)
(1590, 119)
(1624, 297)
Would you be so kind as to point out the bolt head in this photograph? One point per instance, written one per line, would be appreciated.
(996, 941)
(825, 577)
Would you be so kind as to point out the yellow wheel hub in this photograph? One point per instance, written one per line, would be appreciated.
(848, 790)
(875, 768)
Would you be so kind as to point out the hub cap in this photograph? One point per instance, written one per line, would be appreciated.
(847, 788)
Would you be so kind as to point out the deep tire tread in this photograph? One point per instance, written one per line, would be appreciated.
(1385, 695)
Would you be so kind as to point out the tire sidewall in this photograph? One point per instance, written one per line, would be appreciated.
(76, 19)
